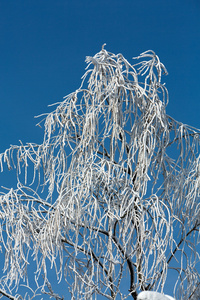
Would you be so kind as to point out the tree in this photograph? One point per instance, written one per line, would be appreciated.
(112, 193)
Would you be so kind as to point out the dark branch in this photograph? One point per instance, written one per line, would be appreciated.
(129, 263)
(149, 287)
(7, 295)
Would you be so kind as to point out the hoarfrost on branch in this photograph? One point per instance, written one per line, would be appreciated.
(112, 192)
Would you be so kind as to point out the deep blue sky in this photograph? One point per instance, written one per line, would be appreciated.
(43, 44)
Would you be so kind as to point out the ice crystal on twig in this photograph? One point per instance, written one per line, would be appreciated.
(107, 189)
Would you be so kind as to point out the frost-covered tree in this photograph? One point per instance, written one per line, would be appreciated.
(109, 202)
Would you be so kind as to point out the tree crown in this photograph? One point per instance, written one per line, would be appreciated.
(113, 187)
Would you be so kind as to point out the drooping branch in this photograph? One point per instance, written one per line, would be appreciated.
(183, 239)
(107, 182)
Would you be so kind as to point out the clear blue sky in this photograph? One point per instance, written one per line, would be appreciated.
(43, 44)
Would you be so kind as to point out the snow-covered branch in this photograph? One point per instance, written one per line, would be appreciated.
(114, 186)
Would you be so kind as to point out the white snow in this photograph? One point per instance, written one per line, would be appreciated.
(149, 295)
